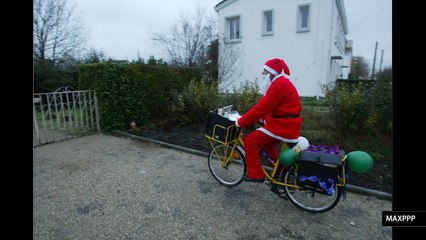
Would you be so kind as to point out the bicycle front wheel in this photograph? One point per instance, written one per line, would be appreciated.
(227, 166)
(307, 199)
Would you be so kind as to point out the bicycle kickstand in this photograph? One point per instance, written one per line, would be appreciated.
(274, 188)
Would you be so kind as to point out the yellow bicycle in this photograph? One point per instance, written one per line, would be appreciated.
(314, 183)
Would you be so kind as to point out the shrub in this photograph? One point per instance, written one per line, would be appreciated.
(135, 92)
(361, 108)
(379, 98)
(246, 97)
(200, 98)
(121, 97)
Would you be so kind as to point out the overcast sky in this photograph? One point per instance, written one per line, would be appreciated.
(123, 28)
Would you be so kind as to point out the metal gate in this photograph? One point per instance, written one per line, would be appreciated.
(64, 114)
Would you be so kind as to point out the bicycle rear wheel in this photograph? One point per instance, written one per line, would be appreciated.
(307, 199)
(226, 166)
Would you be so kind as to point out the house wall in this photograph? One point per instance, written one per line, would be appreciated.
(337, 47)
(307, 54)
(347, 60)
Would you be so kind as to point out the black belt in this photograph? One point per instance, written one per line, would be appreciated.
(288, 116)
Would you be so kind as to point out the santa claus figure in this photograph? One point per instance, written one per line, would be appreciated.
(280, 109)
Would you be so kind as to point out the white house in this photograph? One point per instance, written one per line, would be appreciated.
(310, 36)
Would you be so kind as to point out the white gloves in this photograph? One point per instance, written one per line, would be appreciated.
(236, 123)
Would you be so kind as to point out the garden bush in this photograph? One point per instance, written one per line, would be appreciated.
(136, 92)
(360, 108)
(200, 97)
(245, 97)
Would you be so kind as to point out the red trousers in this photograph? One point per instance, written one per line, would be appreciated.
(253, 143)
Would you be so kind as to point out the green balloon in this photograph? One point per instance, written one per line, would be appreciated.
(359, 161)
(287, 156)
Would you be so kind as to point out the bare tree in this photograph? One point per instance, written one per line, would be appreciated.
(229, 57)
(57, 31)
(186, 42)
(94, 56)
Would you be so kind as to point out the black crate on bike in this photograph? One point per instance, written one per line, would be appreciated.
(220, 128)
(319, 157)
(319, 171)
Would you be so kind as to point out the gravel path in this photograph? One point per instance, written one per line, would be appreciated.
(108, 187)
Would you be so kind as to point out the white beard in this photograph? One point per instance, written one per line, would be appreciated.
(266, 83)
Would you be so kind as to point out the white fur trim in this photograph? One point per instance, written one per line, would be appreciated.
(270, 70)
(273, 79)
(278, 137)
(286, 76)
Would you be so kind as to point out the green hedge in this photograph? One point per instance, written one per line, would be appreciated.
(128, 92)
(362, 107)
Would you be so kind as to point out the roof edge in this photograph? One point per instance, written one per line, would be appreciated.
(341, 8)
(223, 4)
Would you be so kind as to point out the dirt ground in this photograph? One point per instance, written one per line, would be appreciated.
(379, 178)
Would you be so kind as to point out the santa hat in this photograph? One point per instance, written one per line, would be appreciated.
(277, 66)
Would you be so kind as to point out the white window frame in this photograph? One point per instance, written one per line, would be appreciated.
(299, 27)
(236, 36)
(265, 31)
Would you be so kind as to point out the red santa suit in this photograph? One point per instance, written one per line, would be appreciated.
(280, 108)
